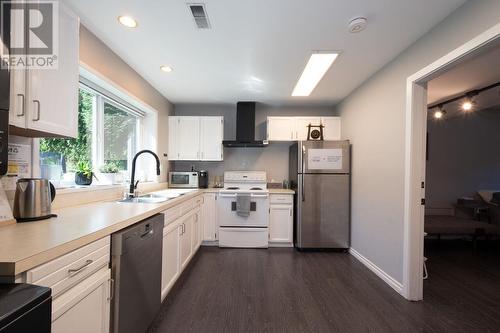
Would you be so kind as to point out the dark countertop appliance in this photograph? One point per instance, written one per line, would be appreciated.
(25, 308)
(203, 179)
(4, 88)
(245, 128)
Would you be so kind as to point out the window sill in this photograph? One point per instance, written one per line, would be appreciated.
(90, 188)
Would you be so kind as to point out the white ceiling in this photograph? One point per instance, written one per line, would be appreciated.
(257, 49)
(478, 71)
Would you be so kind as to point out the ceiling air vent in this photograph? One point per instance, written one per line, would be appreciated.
(200, 15)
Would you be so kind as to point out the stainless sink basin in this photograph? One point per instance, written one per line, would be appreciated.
(152, 198)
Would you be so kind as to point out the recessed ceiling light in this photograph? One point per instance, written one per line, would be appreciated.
(127, 21)
(165, 68)
(316, 67)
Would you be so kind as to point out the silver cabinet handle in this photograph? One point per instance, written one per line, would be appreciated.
(22, 105)
(37, 102)
(111, 289)
(75, 271)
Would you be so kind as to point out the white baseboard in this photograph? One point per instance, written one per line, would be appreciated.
(278, 244)
(378, 271)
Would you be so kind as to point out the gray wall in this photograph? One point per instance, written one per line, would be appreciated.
(373, 119)
(463, 157)
(273, 159)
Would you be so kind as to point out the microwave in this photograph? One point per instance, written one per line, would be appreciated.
(183, 179)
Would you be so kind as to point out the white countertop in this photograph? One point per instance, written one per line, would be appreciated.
(27, 245)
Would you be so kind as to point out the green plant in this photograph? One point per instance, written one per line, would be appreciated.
(84, 168)
(109, 167)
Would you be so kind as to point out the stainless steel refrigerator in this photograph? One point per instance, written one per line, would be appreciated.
(320, 176)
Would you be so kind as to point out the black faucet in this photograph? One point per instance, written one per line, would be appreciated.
(133, 183)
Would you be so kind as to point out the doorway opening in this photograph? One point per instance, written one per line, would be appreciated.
(417, 153)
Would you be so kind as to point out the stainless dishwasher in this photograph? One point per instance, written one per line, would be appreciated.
(136, 269)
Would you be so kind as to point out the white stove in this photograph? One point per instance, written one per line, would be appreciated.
(243, 210)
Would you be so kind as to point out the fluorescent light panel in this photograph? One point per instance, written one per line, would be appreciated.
(316, 67)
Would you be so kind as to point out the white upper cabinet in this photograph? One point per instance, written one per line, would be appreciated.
(195, 138)
(46, 100)
(280, 128)
(331, 131)
(301, 126)
(212, 133)
(296, 128)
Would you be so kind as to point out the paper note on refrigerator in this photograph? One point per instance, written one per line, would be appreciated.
(324, 159)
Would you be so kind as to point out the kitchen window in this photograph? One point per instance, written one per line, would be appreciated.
(108, 137)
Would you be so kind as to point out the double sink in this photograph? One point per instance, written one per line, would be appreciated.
(157, 197)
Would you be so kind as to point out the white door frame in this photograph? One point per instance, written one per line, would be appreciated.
(415, 150)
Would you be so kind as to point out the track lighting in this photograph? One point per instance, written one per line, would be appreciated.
(440, 112)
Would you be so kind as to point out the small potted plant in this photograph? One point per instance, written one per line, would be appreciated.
(109, 173)
(84, 174)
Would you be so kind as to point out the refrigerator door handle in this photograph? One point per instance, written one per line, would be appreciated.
(303, 171)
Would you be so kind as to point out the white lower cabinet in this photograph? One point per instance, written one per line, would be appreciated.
(80, 281)
(181, 240)
(281, 220)
(85, 307)
(209, 218)
(171, 267)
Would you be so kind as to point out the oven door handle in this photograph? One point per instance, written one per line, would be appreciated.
(259, 195)
(224, 195)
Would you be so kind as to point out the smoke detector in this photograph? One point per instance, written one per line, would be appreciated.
(357, 24)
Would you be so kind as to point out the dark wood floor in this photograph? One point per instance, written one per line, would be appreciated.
(282, 290)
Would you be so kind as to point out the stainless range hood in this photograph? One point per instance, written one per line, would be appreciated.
(245, 128)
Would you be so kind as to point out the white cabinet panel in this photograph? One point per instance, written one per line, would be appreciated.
(280, 128)
(212, 132)
(84, 308)
(171, 267)
(186, 249)
(173, 154)
(46, 100)
(195, 138)
(281, 219)
(53, 94)
(295, 128)
(331, 131)
(209, 217)
(301, 128)
(196, 234)
(188, 138)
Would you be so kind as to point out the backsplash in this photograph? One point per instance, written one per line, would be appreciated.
(273, 159)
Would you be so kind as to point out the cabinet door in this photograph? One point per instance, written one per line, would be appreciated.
(53, 93)
(331, 131)
(209, 217)
(281, 223)
(188, 138)
(171, 267)
(186, 239)
(280, 128)
(173, 124)
(212, 132)
(196, 236)
(85, 307)
(301, 128)
(17, 116)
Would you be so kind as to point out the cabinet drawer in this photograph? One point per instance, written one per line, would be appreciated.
(63, 272)
(281, 199)
(186, 207)
(172, 214)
